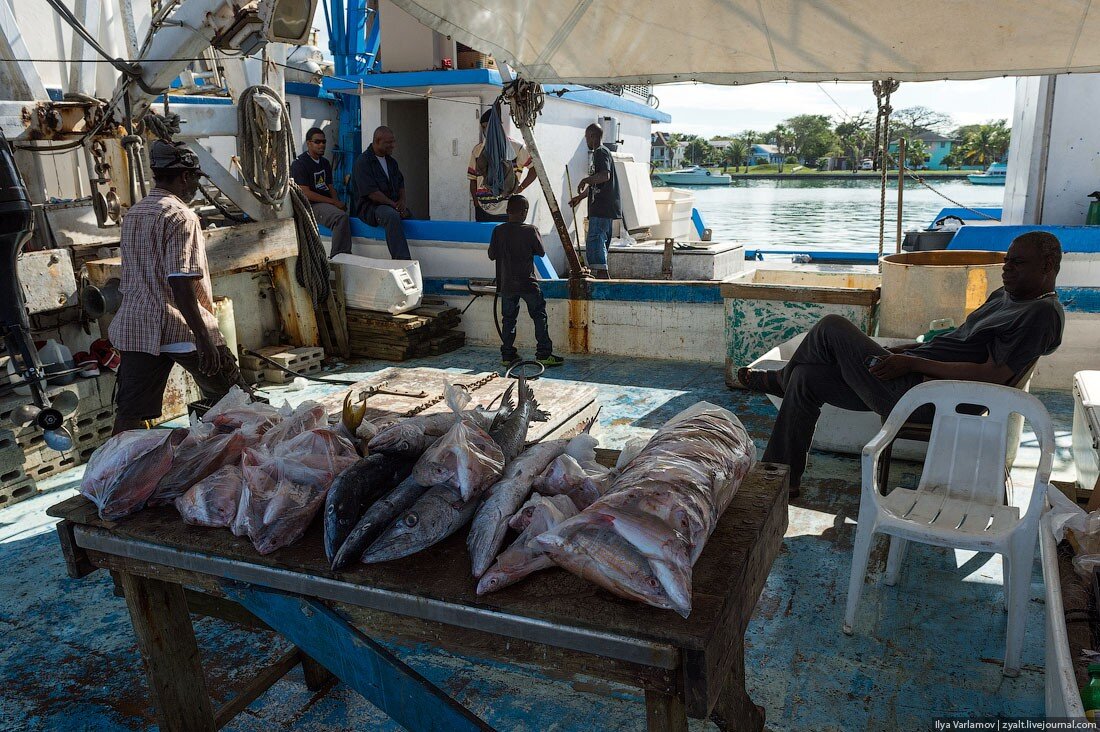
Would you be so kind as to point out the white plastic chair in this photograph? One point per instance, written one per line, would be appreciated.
(960, 502)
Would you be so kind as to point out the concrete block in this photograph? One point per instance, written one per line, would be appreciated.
(15, 491)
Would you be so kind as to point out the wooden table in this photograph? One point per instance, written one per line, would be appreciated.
(552, 620)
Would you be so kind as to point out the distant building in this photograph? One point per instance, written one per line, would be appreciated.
(664, 152)
(936, 145)
(766, 154)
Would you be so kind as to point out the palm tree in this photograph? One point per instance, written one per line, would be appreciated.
(784, 142)
(735, 153)
(916, 153)
(985, 144)
(750, 138)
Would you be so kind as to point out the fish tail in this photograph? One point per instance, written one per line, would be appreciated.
(507, 403)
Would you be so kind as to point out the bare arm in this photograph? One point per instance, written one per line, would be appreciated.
(185, 293)
(314, 197)
(897, 365)
(528, 179)
(594, 180)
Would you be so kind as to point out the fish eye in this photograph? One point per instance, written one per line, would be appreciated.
(411, 520)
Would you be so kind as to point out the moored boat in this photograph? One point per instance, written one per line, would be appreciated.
(696, 175)
(994, 175)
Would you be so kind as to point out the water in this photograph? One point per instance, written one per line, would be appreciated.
(833, 215)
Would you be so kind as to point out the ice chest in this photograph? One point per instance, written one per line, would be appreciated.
(387, 285)
(1086, 427)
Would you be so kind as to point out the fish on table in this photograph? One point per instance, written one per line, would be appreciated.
(409, 435)
(436, 515)
(525, 556)
(376, 519)
(355, 490)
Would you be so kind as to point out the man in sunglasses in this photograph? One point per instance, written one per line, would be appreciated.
(313, 173)
(167, 312)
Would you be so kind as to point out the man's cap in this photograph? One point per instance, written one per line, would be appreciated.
(172, 156)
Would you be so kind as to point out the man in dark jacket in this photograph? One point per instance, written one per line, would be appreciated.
(381, 188)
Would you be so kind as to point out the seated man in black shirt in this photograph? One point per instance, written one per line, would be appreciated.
(381, 188)
(513, 247)
(838, 364)
(313, 174)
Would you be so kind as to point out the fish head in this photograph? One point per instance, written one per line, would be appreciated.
(401, 437)
(491, 581)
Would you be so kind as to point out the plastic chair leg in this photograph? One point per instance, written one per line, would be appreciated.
(895, 559)
(861, 553)
(1017, 570)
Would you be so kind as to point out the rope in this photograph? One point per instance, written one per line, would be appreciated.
(265, 154)
(882, 90)
(163, 126)
(312, 268)
(920, 180)
(525, 98)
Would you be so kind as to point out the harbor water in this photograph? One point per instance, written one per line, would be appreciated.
(826, 214)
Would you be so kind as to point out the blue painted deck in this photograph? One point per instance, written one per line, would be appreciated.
(930, 646)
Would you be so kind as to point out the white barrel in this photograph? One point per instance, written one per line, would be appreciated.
(919, 287)
(227, 324)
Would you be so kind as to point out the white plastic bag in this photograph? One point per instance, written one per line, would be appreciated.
(213, 501)
(124, 472)
(466, 459)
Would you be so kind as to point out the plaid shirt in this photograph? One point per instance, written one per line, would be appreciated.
(161, 237)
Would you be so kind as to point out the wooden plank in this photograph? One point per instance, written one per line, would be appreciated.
(664, 713)
(228, 249)
(317, 676)
(255, 688)
(735, 711)
(799, 293)
(379, 676)
(336, 310)
(166, 638)
(296, 312)
(77, 564)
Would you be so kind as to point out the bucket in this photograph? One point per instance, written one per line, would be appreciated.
(919, 287)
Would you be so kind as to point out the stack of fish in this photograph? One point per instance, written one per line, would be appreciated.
(642, 537)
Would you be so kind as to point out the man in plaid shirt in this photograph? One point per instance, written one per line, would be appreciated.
(167, 312)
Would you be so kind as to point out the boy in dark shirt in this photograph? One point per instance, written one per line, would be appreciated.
(514, 247)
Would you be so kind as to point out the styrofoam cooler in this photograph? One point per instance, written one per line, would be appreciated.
(674, 208)
(1086, 427)
(388, 285)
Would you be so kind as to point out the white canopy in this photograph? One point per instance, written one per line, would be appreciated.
(746, 41)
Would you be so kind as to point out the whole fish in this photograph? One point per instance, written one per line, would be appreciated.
(213, 501)
(139, 479)
(665, 548)
(409, 435)
(191, 465)
(436, 515)
(525, 556)
(602, 557)
(377, 519)
(506, 496)
(355, 489)
(511, 432)
(523, 518)
(566, 476)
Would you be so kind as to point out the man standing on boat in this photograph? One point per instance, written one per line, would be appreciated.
(167, 312)
(381, 190)
(840, 365)
(489, 206)
(601, 187)
(313, 173)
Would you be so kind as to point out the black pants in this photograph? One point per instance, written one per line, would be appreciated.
(536, 308)
(143, 376)
(481, 215)
(828, 368)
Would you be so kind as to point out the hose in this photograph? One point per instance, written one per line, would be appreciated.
(265, 154)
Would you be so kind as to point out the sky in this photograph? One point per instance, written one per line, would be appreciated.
(707, 110)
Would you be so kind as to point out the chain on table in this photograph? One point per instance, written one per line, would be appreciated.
(436, 400)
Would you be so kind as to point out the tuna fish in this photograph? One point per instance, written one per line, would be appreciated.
(409, 435)
(505, 497)
(356, 489)
(525, 556)
(436, 515)
(377, 519)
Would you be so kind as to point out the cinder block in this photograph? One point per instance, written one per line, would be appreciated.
(16, 491)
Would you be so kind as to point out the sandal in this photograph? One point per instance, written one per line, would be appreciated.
(762, 381)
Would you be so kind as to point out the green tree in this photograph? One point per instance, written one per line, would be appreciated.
(735, 152)
(914, 120)
(985, 144)
(783, 138)
(698, 151)
(812, 136)
(750, 138)
(916, 154)
(854, 138)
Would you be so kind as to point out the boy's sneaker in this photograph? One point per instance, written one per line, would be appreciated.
(510, 362)
(551, 360)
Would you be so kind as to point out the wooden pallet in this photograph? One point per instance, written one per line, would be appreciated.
(425, 331)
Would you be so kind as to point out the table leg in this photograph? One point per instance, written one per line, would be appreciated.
(316, 674)
(734, 710)
(665, 712)
(166, 638)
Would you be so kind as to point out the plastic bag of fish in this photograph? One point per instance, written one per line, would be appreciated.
(213, 501)
(124, 472)
(642, 537)
(466, 459)
(284, 487)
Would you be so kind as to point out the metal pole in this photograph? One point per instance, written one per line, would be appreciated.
(901, 186)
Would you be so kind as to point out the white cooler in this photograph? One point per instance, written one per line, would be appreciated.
(1086, 427)
(389, 285)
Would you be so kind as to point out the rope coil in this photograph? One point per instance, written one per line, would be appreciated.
(265, 154)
